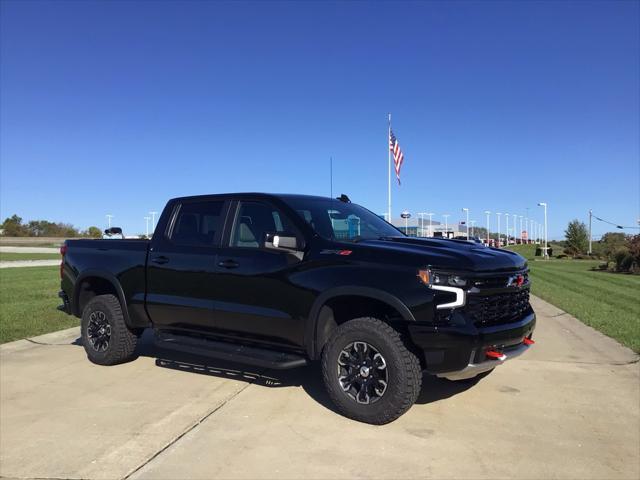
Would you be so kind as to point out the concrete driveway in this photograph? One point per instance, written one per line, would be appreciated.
(569, 408)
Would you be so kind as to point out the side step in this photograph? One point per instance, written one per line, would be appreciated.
(233, 352)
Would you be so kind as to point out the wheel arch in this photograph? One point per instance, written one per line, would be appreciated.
(322, 320)
(99, 283)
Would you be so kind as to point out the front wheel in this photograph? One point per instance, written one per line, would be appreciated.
(105, 335)
(369, 373)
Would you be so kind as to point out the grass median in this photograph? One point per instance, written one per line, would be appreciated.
(608, 302)
(28, 301)
(12, 256)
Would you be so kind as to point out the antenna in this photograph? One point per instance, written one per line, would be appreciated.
(331, 176)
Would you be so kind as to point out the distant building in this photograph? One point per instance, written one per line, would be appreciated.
(417, 227)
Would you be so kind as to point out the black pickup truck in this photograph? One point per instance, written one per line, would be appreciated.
(279, 281)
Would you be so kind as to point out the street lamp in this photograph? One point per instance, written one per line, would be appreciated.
(472, 222)
(146, 220)
(406, 215)
(546, 252)
(515, 228)
(446, 224)
(498, 214)
(421, 215)
(521, 237)
(109, 217)
(153, 221)
(430, 215)
(487, 213)
(506, 216)
(531, 230)
(467, 210)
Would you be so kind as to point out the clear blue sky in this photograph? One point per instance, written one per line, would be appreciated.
(113, 107)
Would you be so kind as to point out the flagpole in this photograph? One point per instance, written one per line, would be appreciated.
(389, 182)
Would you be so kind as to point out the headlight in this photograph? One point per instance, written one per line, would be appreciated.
(447, 283)
(430, 278)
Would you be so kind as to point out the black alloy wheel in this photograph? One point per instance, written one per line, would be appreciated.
(362, 372)
(99, 331)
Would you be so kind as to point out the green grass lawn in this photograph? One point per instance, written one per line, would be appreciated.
(11, 256)
(609, 302)
(28, 301)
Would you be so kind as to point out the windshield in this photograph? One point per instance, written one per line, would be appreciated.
(336, 220)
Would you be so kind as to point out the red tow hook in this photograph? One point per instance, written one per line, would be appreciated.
(528, 341)
(495, 354)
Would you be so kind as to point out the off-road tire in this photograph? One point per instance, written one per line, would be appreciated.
(122, 342)
(404, 371)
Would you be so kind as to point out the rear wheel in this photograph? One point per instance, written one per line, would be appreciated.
(106, 338)
(369, 373)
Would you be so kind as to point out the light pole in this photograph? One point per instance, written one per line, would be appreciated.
(446, 224)
(531, 230)
(467, 210)
(430, 215)
(526, 222)
(146, 220)
(546, 252)
(109, 217)
(521, 237)
(590, 214)
(153, 221)
(498, 214)
(421, 215)
(405, 214)
(487, 213)
(506, 217)
(472, 222)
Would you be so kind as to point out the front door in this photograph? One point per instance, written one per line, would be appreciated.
(181, 266)
(254, 297)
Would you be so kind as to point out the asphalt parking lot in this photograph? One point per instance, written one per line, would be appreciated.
(569, 408)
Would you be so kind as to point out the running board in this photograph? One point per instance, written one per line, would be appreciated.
(232, 352)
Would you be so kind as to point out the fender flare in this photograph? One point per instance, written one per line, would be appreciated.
(109, 277)
(311, 331)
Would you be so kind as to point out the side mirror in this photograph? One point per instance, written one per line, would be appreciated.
(282, 241)
(113, 231)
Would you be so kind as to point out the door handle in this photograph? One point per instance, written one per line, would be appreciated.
(228, 264)
(160, 260)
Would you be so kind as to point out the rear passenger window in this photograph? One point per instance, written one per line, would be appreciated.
(198, 223)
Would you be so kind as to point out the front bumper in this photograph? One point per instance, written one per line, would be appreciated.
(459, 351)
(475, 369)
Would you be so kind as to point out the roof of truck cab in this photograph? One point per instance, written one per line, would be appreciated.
(283, 196)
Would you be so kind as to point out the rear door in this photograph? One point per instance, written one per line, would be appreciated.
(182, 264)
(254, 296)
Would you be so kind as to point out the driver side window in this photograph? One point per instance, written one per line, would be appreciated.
(253, 221)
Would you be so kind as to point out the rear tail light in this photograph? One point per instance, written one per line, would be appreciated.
(63, 252)
(528, 341)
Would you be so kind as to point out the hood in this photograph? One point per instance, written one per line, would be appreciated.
(451, 254)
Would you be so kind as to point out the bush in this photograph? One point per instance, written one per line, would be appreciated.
(634, 249)
(610, 244)
(624, 260)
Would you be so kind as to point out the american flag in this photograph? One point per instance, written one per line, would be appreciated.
(398, 156)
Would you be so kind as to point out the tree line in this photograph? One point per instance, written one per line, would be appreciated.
(15, 227)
